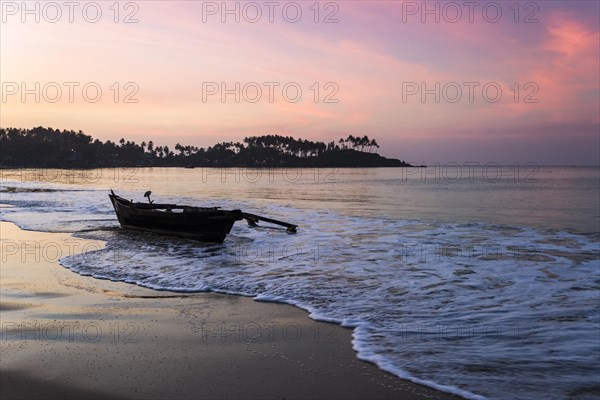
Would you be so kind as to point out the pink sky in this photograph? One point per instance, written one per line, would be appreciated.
(367, 61)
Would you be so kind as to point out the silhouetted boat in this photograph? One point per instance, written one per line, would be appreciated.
(207, 224)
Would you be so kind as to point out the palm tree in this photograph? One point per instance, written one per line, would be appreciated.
(179, 148)
(374, 143)
(351, 139)
(359, 143)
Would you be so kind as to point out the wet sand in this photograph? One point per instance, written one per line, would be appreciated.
(69, 336)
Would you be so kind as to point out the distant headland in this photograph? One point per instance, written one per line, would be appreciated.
(51, 148)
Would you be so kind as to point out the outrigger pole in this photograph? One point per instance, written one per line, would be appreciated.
(253, 219)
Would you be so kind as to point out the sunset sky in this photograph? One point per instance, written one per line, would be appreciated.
(372, 58)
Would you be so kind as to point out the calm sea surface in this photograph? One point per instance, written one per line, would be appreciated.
(481, 281)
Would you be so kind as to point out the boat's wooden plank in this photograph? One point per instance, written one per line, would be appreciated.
(253, 218)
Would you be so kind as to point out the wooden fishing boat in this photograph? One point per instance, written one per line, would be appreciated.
(207, 224)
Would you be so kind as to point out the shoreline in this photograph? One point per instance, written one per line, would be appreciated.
(66, 336)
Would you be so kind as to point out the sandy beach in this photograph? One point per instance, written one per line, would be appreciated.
(71, 336)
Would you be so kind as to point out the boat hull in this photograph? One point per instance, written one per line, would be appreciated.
(206, 225)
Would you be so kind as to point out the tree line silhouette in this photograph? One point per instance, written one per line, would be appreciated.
(47, 147)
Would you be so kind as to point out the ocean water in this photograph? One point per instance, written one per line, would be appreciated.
(478, 280)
